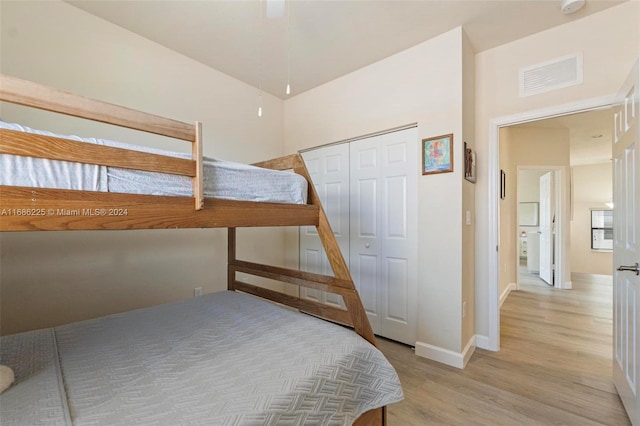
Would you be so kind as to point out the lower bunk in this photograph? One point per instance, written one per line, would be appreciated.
(225, 358)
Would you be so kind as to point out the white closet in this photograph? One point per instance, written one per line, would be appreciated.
(368, 189)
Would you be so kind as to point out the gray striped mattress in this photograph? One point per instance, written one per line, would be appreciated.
(225, 358)
(222, 179)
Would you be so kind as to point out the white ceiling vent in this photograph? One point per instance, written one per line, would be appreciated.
(551, 75)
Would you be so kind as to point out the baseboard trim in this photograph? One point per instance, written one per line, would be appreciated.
(506, 292)
(445, 356)
(468, 350)
(482, 342)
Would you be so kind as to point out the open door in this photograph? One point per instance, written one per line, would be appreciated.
(626, 246)
(547, 220)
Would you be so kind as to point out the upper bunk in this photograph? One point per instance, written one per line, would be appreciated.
(37, 208)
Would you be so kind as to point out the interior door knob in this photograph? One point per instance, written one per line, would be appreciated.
(635, 268)
(366, 245)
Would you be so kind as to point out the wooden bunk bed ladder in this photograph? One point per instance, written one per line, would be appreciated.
(341, 283)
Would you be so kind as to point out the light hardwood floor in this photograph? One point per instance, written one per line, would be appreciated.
(554, 367)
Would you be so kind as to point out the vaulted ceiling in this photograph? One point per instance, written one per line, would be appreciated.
(324, 39)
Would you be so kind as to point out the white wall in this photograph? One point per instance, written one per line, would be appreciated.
(609, 43)
(592, 188)
(421, 85)
(50, 278)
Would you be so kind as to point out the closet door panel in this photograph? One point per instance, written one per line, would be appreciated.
(365, 224)
(397, 278)
(365, 274)
(369, 190)
(329, 171)
(398, 240)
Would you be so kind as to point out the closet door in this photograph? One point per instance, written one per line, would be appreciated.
(383, 242)
(329, 170)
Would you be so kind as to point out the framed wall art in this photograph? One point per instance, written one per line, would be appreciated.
(437, 154)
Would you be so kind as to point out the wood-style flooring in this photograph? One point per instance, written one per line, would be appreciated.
(554, 367)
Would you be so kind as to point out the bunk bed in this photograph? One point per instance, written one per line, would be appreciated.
(126, 368)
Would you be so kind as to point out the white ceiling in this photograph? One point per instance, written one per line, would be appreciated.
(327, 38)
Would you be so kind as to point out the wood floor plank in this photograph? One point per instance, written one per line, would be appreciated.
(554, 367)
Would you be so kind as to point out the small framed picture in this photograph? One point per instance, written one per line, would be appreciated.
(469, 164)
(437, 154)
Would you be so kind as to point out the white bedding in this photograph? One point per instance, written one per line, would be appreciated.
(221, 359)
(222, 179)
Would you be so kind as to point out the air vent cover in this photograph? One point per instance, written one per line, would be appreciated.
(551, 75)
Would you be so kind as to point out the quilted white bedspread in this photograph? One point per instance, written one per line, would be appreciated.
(221, 359)
(222, 179)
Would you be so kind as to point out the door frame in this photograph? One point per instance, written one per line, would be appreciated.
(493, 171)
(563, 212)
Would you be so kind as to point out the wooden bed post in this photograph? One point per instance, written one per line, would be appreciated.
(231, 258)
(198, 179)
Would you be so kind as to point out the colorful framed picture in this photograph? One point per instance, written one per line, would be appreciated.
(437, 154)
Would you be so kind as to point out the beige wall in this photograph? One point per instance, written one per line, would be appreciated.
(592, 188)
(421, 85)
(51, 278)
(610, 46)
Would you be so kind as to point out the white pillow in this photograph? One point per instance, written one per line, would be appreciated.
(6, 377)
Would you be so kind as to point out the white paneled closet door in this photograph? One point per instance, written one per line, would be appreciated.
(368, 189)
(329, 170)
(383, 242)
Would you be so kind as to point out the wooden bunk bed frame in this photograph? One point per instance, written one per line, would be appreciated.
(36, 209)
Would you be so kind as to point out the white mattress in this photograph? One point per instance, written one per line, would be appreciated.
(222, 179)
(221, 359)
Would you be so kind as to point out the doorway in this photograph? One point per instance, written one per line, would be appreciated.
(493, 242)
(536, 215)
(588, 136)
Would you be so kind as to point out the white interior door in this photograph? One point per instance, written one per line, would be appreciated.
(329, 170)
(547, 213)
(383, 243)
(626, 252)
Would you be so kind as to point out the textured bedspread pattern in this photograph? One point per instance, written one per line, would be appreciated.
(222, 179)
(221, 359)
(37, 396)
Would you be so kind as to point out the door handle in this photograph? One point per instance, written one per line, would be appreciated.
(635, 268)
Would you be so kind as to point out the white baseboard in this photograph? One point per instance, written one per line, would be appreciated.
(445, 356)
(482, 342)
(506, 292)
